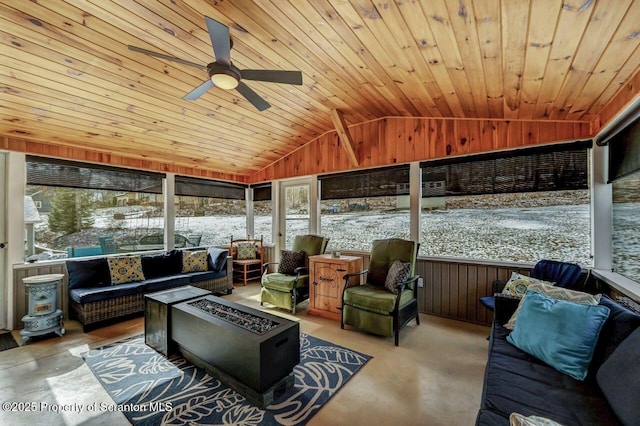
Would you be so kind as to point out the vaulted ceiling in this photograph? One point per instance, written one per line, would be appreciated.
(68, 79)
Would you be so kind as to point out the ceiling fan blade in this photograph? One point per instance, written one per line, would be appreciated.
(252, 97)
(198, 91)
(220, 40)
(273, 76)
(167, 57)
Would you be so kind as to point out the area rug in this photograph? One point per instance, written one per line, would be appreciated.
(7, 342)
(151, 389)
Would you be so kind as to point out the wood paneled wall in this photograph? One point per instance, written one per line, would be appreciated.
(92, 156)
(629, 92)
(394, 140)
(453, 289)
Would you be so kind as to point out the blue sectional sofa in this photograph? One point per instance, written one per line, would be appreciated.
(95, 298)
(516, 382)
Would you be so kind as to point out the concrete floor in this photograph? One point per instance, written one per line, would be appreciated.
(433, 378)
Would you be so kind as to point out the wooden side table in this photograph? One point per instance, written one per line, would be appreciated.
(326, 283)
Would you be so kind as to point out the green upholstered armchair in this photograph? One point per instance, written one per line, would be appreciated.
(287, 290)
(371, 306)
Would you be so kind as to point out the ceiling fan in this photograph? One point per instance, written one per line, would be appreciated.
(222, 72)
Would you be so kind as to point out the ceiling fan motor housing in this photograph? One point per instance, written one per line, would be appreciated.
(217, 69)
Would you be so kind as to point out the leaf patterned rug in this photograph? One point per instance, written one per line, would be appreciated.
(151, 389)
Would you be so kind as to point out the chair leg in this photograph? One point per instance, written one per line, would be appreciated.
(417, 319)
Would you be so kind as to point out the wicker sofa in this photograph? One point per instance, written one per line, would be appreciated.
(93, 299)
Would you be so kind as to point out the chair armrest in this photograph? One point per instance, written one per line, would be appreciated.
(300, 270)
(265, 266)
(403, 284)
(505, 307)
(347, 277)
(498, 285)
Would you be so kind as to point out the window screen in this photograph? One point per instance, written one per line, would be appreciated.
(194, 187)
(71, 174)
(362, 184)
(262, 192)
(548, 168)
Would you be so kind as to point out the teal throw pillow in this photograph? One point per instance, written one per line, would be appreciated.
(563, 334)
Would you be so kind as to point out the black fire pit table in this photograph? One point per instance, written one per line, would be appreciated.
(249, 350)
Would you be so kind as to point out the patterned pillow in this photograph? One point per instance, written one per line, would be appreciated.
(398, 272)
(555, 293)
(289, 261)
(125, 269)
(516, 419)
(194, 261)
(518, 284)
(246, 251)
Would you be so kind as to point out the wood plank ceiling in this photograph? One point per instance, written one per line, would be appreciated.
(67, 77)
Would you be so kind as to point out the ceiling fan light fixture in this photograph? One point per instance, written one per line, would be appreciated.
(224, 80)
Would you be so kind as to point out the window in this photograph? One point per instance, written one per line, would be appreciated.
(359, 207)
(70, 207)
(209, 212)
(625, 233)
(624, 173)
(523, 205)
(263, 212)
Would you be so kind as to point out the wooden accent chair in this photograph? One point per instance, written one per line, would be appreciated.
(290, 284)
(247, 256)
(389, 298)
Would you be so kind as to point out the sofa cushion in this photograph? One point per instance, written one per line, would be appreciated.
(282, 282)
(619, 379)
(290, 261)
(162, 264)
(125, 269)
(217, 259)
(163, 283)
(96, 294)
(88, 273)
(562, 334)
(197, 277)
(194, 261)
(556, 293)
(620, 324)
(518, 382)
(371, 298)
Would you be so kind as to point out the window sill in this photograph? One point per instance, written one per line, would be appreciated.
(619, 282)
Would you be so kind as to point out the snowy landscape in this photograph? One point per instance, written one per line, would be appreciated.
(525, 234)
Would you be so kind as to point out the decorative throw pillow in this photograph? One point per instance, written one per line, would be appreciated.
(289, 261)
(217, 258)
(398, 272)
(516, 419)
(194, 261)
(518, 284)
(556, 293)
(563, 334)
(246, 251)
(125, 269)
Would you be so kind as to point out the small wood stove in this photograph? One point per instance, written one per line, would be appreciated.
(44, 317)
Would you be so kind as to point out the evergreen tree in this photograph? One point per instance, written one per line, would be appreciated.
(70, 211)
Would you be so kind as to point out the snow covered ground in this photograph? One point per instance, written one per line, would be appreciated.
(527, 234)
(511, 234)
